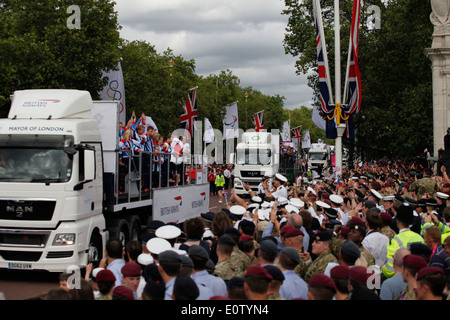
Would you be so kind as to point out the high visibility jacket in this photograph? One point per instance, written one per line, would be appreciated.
(445, 229)
(220, 180)
(401, 240)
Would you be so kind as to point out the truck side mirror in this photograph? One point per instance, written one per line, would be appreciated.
(89, 165)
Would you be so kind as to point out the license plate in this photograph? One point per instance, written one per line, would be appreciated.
(22, 266)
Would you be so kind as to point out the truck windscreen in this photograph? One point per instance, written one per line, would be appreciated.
(35, 158)
(317, 156)
(253, 156)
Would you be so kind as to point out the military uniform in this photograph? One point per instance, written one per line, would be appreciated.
(319, 265)
(388, 232)
(275, 296)
(225, 269)
(423, 186)
(241, 261)
(367, 256)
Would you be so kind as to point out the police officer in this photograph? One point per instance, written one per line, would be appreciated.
(405, 218)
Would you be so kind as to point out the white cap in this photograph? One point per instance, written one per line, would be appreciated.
(180, 252)
(257, 199)
(252, 206)
(280, 177)
(296, 202)
(265, 205)
(237, 210)
(290, 208)
(312, 190)
(442, 195)
(323, 204)
(168, 232)
(336, 199)
(282, 200)
(376, 194)
(158, 245)
(388, 198)
(145, 259)
(96, 271)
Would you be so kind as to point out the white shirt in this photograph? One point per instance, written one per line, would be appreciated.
(173, 158)
(376, 243)
(280, 192)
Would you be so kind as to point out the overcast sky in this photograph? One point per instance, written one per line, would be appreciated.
(245, 36)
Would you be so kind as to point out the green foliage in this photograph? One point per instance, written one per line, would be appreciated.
(38, 50)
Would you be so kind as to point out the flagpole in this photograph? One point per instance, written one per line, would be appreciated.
(337, 54)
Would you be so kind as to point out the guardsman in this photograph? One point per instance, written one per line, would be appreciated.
(321, 248)
(403, 239)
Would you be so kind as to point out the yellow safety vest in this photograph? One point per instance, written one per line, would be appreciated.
(220, 180)
(401, 240)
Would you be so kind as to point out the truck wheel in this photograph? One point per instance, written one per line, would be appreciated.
(95, 252)
(135, 228)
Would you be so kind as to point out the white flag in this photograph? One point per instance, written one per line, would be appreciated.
(115, 90)
(318, 120)
(306, 142)
(231, 122)
(149, 122)
(209, 132)
(286, 131)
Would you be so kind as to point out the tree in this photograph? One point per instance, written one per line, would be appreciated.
(39, 50)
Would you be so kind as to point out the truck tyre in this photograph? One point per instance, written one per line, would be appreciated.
(135, 228)
(119, 229)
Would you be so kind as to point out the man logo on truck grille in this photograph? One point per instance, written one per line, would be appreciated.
(19, 210)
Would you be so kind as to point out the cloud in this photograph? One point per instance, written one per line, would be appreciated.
(244, 36)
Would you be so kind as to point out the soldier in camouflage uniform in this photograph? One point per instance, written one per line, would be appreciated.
(242, 256)
(321, 248)
(224, 267)
(275, 284)
(411, 265)
(385, 229)
(423, 186)
(357, 234)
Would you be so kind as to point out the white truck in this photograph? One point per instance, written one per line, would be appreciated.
(257, 157)
(318, 154)
(59, 200)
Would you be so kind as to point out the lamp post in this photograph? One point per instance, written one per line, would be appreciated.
(338, 152)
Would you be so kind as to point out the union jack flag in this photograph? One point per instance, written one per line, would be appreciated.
(189, 116)
(296, 136)
(325, 91)
(352, 92)
(258, 121)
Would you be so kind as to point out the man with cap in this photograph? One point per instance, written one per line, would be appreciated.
(411, 265)
(169, 267)
(425, 185)
(357, 235)
(320, 248)
(430, 283)
(273, 293)
(256, 283)
(402, 240)
(168, 232)
(336, 203)
(293, 286)
(392, 287)
(235, 289)
(385, 225)
(105, 280)
(224, 268)
(131, 276)
(185, 288)
(268, 251)
(348, 254)
(201, 276)
(243, 255)
(340, 275)
(278, 188)
(321, 287)
(358, 284)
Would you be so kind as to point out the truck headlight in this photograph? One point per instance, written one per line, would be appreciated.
(62, 239)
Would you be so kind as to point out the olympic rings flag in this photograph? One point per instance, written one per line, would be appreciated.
(115, 90)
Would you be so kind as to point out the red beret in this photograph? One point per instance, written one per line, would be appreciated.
(293, 232)
(256, 270)
(385, 216)
(340, 272)
(327, 201)
(344, 230)
(446, 185)
(321, 280)
(355, 221)
(359, 274)
(131, 269)
(428, 270)
(245, 238)
(285, 228)
(123, 292)
(414, 261)
(325, 195)
(105, 276)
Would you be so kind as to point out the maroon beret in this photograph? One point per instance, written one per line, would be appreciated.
(256, 270)
(131, 269)
(285, 228)
(340, 272)
(105, 276)
(322, 281)
(355, 221)
(414, 261)
(359, 274)
(123, 292)
(293, 232)
(344, 230)
(245, 238)
(428, 270)
(385, 216)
